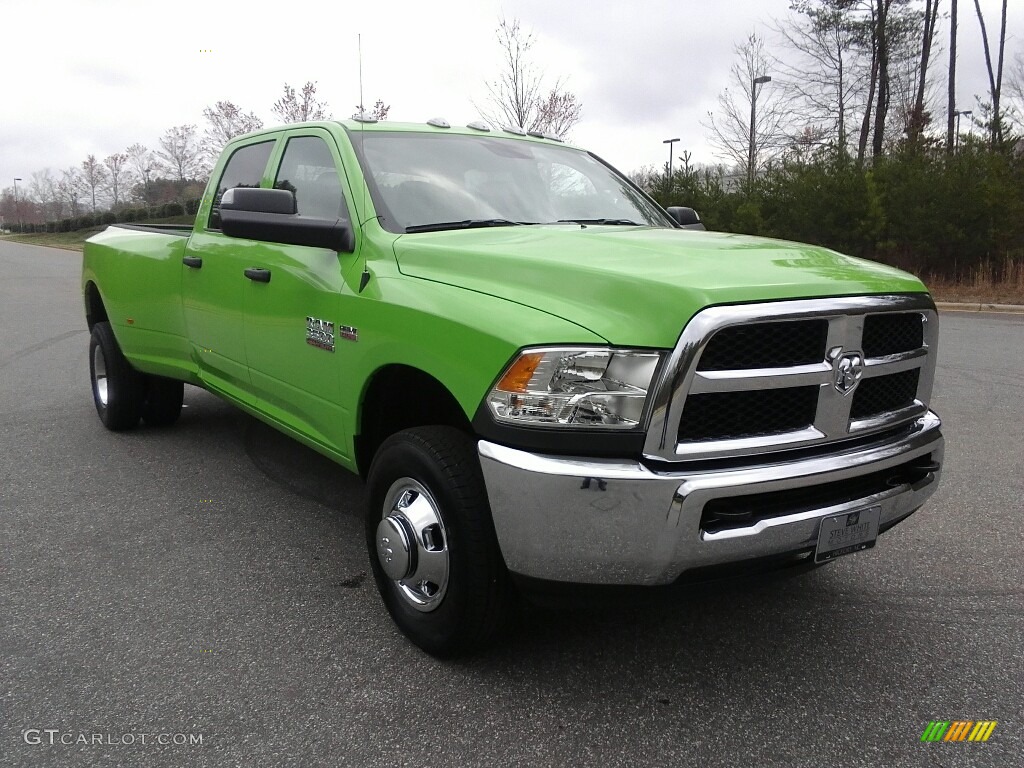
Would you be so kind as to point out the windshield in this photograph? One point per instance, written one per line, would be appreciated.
(425, 181)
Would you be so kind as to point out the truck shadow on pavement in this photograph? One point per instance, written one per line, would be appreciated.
(760, 627)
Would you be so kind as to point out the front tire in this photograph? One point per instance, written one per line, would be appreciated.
(431, 542)
(118, 389)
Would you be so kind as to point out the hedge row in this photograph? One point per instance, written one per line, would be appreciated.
(925, 212)
(103, 218)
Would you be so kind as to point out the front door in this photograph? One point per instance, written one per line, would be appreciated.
(292, 321)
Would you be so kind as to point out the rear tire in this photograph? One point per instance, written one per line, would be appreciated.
(162, 404)
(431, 542)
(117, 388)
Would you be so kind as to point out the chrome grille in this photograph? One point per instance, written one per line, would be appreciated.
(755, 413)
(766, 345)
(892, 334)
(752, 379)
(883, 394)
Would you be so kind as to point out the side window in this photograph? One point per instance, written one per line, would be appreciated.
(244, 169)
(308, 171)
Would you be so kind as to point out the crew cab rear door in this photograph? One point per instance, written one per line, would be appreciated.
(214, 284)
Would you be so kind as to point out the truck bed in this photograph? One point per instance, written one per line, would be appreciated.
(181, 230)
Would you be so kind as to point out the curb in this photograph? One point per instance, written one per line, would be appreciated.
(952, 306)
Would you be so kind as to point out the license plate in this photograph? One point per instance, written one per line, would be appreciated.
(847, 533)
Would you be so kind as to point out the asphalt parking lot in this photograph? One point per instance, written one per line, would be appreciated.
(210, 581)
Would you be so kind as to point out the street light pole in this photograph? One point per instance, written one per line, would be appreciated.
(958, 112)
(751, 157)
(146, 174)
(670, 142)
(17, 207)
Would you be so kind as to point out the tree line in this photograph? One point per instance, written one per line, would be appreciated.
(838, 129)
(139, 182)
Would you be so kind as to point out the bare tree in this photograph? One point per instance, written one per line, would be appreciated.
(881, 45)
(226, 120)
(1015, 83)
(117, 175)
(827, 76)
(70, 189)
(44, 189)
(917, 119)
(10, 211)
(180, 154)
(558, 112)
(519, 98)
(730, 127)
(995, 78)
(140, 163)
(951, 82)
(648, 177)
(94, 175)
(299, 107)
(379, 112)
(888, 34)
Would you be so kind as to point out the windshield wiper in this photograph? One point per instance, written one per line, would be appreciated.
(464, 224)
(609, 222)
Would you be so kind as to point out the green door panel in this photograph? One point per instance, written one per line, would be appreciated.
(214, 304)
(297, 380)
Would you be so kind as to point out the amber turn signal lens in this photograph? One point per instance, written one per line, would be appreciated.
(517, 378)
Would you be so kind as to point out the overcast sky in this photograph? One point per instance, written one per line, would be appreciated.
(93, 76)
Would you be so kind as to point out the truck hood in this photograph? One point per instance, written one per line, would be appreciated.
(637, 286)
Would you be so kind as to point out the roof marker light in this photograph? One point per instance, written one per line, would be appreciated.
(439, 122)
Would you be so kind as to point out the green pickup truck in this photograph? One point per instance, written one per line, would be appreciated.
(542, 376)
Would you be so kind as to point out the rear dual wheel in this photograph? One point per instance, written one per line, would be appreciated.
(123, 395)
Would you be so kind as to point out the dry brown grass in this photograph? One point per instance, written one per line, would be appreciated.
(989, 283)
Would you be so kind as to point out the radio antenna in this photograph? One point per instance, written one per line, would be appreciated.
(364, 278)
(362, 108)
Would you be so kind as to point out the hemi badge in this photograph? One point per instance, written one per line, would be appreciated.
(348, 333)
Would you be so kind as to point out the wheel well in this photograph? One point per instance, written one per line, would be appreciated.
(400, 397)
(95, 312)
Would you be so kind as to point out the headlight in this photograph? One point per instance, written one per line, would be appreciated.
(575, 386)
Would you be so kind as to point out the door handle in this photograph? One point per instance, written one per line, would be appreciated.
(258, 275)
(192, 261)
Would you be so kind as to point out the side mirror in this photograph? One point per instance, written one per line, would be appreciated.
(257, 200)
(269, 215)
(686, 218)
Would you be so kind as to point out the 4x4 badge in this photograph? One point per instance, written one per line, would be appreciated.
(849, 370)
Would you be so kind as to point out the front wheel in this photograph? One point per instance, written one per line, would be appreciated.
(431, 542)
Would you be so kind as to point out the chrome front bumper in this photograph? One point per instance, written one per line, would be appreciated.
(607, 521)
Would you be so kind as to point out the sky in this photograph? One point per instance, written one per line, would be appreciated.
(94, 76)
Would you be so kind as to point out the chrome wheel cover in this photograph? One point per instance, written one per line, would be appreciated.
(412, 545)
(100, 385)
